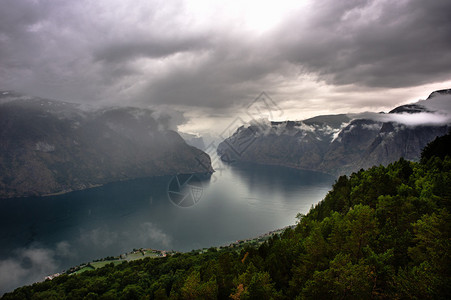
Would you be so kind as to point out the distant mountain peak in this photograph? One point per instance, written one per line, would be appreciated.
(439, 93)
(419, 108)
(409, 108)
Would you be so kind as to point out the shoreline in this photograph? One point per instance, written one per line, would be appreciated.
(96, 185)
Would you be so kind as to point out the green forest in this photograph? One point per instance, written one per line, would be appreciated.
(379, 233)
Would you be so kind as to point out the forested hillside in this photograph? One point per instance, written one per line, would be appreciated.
(380, 233)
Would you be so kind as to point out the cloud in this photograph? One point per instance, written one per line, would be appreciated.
(31, 264)
(168, 118)
(371, 43)
(138, 46)
(437, 113)
(419, 119)
(100, 237)
(440, 103)
(64, 249)
(151, 234)
(197, 55)
(375, 126)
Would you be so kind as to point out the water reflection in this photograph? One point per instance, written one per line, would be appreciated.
(262, 179)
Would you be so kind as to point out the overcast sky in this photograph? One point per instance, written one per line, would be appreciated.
(210, 59)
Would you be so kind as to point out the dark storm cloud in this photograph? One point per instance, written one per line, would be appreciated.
(160, 52)
(372, 43)
(151, 47)
(15, 19)
(219, 78)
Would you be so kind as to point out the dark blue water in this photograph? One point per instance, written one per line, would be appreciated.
(41, 236)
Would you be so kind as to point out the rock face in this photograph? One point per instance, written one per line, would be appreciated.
(337, 144)
(51, 147)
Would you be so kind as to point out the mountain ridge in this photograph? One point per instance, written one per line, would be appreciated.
(49, 146)
(338, 144)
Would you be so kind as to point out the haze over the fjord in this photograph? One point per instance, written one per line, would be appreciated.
(210, 59)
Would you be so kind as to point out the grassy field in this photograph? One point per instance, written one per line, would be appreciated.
(136, 254)
(143, 254)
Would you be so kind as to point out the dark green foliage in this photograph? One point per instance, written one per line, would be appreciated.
(440, 147)
(382, 233)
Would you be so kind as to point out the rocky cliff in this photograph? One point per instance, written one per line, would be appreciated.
(52, 146)
(338, 144)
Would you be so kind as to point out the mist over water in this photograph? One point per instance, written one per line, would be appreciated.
(41, 236)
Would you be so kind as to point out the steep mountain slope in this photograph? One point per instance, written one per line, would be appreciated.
(339, 143)
(298, 144)
(51, 146)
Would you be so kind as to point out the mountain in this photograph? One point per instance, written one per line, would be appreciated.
(49, 146)
(340, 143)
(300, 144)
